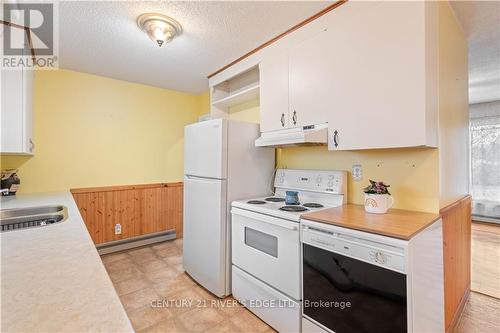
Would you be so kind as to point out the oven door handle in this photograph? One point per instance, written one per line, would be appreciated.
(268, 219)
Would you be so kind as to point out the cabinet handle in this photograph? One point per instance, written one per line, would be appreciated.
(32, 146)
(336, 138)
(282, 120)
(294, 117)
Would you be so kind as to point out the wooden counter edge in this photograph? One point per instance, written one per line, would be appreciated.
(377, 232)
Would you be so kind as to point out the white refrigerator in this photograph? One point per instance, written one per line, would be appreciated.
(221, 164)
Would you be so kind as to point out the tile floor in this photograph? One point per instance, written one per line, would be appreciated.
(480, 315)
(485, 259)
(154, 275)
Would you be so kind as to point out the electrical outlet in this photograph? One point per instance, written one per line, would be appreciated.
(118, 229)
(357, 172)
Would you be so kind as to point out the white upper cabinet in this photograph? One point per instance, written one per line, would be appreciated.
(368, 69)
(378, 87)
(309, 80)
(274, 93)
(16, 115)
(371, 74)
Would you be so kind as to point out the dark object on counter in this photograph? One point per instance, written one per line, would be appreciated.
(10, 182)
(292, 198)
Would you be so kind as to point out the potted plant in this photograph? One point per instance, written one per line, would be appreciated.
(377, 198)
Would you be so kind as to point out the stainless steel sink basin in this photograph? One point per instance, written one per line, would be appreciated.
(30, 217)
(17, 212)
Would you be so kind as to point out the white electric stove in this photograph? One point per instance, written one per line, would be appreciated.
(266, 243)
(317, 190)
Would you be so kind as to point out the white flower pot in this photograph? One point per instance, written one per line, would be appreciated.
(378, 203)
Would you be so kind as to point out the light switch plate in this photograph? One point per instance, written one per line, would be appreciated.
(357, 172)
(118, 229)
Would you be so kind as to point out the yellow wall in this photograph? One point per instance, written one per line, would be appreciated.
(453, 108)
(248, 112)
(96, 131)
(412, 173)
(204, 103)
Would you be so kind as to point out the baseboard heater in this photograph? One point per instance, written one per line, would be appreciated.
(137, 241)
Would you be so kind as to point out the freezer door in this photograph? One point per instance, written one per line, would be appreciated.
(205, 232)
(205, 149)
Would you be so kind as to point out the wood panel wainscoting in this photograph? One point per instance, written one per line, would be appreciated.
(457, 221)
(139, 209)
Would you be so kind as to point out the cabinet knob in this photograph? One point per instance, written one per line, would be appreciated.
(336, 138)
(282, 120)
(294, 117)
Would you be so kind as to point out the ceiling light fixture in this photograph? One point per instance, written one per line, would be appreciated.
(160, 28)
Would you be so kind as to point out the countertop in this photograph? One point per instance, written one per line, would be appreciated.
(397, 223)
(52, 278)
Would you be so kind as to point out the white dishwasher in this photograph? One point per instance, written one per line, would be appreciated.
(358, 282)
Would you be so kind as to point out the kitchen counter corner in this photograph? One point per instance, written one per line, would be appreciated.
(53, 278)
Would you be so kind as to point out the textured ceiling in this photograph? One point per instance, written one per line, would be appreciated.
(481, 23)
(102, 37)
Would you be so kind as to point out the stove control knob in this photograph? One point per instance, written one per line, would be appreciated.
(331, 177)
(380, 258)
(318, 179)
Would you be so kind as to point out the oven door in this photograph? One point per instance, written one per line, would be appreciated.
(347, 295)
(267, 248)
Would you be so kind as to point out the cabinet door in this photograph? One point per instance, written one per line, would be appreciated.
(363, 76)
(16, 120)
(274, 93)
(310, 84)
(28, 140)
(380, 73)
(12, 111)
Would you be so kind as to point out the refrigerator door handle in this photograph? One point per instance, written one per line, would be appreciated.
(201, 179)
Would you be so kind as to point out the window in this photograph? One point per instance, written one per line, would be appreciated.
(485, 164)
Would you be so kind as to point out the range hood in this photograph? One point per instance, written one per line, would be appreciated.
(303, 136)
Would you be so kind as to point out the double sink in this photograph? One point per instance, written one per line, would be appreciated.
(31, 217)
